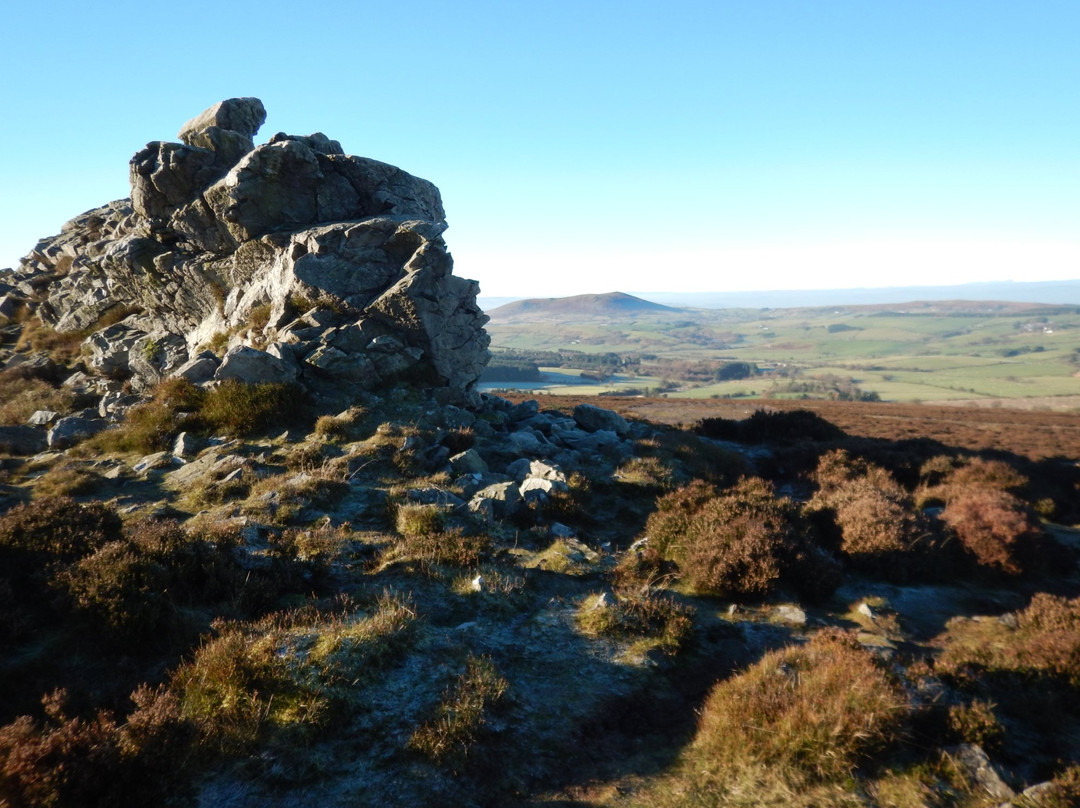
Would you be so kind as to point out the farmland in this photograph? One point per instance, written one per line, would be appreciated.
(941, 352)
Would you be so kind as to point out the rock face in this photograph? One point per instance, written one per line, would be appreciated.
(289, 259)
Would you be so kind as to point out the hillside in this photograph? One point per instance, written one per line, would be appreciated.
(417, 604)
(612, 305)
(995, 352)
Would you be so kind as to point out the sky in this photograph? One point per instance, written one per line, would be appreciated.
(602, 145)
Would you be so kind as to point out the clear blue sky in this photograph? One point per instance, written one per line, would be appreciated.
(593, 146)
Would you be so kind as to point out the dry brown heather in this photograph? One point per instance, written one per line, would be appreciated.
(1033, 434)
(835, 621)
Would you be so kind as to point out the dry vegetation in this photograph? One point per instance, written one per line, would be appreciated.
(784, 608)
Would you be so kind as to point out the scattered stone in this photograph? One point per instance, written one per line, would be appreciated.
(792, 615)
(975, 763)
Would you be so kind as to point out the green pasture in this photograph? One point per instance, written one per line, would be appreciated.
(901, 357)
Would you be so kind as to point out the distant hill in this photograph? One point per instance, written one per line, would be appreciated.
(577, 307)
(1054, 292)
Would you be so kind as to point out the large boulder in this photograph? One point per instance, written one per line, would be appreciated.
(338, 260)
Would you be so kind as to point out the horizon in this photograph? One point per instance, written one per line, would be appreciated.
(580, 146)
(1034, 292)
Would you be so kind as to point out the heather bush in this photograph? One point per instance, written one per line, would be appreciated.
(67, 760)
(342, 427)
(426, 539)
(157, 584)
(995, 527)
(648, 620)
(742, 542)
(66, 479)
(782, 427)
(56, 530)
(239, 409)
(460, 719)
(821, 709)
(674, 512)
(880, 530)
(1045, 642)
(975, 722)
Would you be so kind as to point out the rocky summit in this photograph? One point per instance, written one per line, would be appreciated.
(287, 261)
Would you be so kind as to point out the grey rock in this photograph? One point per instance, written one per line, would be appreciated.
(9, 307)
(539, 490)
(975, 763)
(217, 230)
(150, 462)
(242, 115)
(468, 462)
(527, 444)
(154, 357)
(544, 471)
(199, 369)
(42, 418)
(792, 615)
(498, 501)
(186, 445)
(68, 431)
(114, 404)
(594, 419)
(524, 410)
(253, 366)
(22, 440)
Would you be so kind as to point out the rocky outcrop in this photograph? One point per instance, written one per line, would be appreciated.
(288, 260)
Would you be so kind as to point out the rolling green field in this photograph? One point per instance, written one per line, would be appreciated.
(990, 353)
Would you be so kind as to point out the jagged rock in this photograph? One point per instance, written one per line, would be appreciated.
(186, 445)
(9, 307)
(114, 404)
(154, 461)
(595, 419)
(337, 262)
(154, 357)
